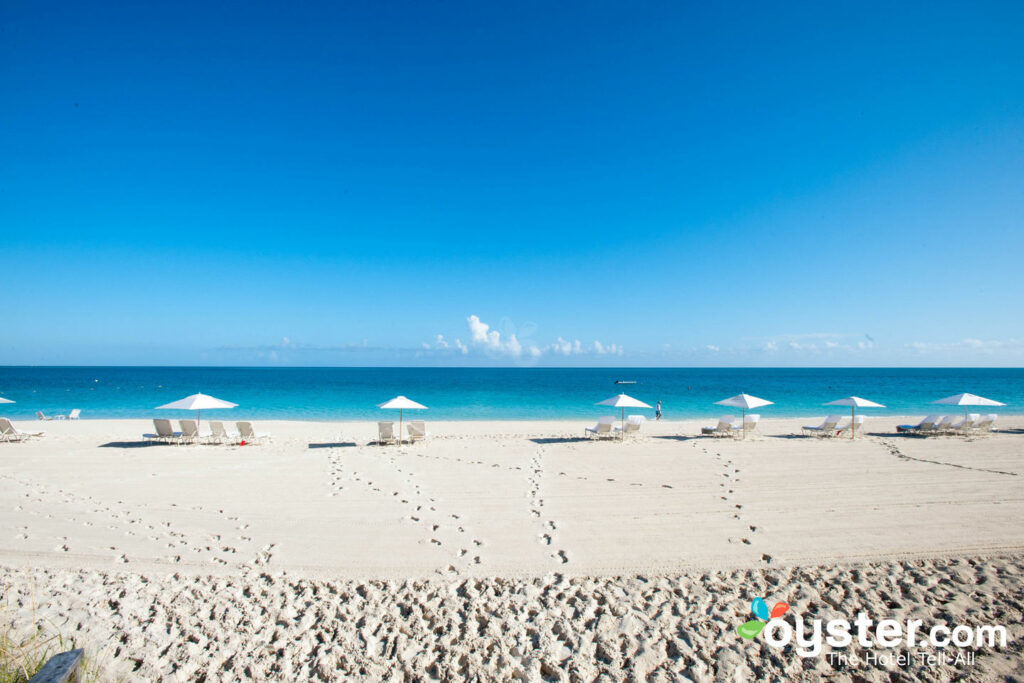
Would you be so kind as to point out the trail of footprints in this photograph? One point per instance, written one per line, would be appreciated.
(421, 509)
(426, 513)
(119, 516)
(730, 478)
(548, 526)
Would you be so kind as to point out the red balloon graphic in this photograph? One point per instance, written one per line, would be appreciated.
(779, 609)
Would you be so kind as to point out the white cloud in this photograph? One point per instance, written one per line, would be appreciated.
(970, 345)
(566, 347)
(482, 336)
(712, 348)
(770, 346)
(607, 349)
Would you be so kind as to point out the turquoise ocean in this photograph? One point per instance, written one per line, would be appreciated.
(487, 393)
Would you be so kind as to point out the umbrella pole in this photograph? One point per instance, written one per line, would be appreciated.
(400, 411)
(622, 425)
(199, 415)
(853, 423)
(743, 423)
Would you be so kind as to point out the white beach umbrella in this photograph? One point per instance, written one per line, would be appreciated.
(744, 402)
(198, 403)
(401, 403)
(622, 401)
(967, 400)
(5, 400)
(854, 402)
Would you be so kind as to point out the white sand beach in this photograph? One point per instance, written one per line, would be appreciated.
(501, 548)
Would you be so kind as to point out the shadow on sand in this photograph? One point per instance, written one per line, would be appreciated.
(132, 444)
(560, 439)
(338, 444)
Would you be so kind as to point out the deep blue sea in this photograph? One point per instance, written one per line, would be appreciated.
(486, 393)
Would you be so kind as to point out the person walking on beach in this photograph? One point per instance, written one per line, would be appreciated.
(657, 412)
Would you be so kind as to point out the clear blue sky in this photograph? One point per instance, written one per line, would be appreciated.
(340, 183)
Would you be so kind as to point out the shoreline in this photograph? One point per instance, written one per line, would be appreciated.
(589, 418)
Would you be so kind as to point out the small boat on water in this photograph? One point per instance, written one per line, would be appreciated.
(625, 381)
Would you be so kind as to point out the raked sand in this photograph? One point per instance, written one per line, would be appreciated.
(500, 547)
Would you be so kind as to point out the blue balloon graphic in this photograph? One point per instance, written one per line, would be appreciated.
(760, 609)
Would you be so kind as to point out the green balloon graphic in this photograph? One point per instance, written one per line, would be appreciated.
(750, 629)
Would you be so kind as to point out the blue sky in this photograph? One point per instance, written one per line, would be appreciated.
(682, 183)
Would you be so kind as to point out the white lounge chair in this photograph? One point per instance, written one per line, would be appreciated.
(749, 424)
(386, 433)
(602, 430)
(964, 425)
(929, 428)
(632, 426)
(249, 435)
(164, 432)
(926, 422)
(825, 429)
(73, 415)
(218, 434)
(945, 425)
(857, 426)
(40, 415)
(985, 425)
(417, 430)
(189, 431)
(9, 433)
(725, 427)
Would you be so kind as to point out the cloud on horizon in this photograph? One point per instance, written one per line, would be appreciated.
(484, 338)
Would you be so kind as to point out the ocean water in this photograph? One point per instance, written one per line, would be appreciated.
(487, 393)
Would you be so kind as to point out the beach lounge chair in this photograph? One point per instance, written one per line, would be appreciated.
(825, 430)
(929, 420)
(218, 434)
(929, 427)
(857, 426)
(249, 435)
(417, 430)
(189, 431)
(73, 415)
(945, 425)
(985, 425)
(632, 426)
(9, 433)
(964, 425)
(164, 432)
(750, 423)
(40, 415)
(386, 433)
(602, 430)
(724, 427)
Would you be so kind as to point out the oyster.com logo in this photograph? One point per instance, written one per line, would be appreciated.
(759, 607)
(810, 636)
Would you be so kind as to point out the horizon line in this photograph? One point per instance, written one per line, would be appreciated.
(530, 367)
